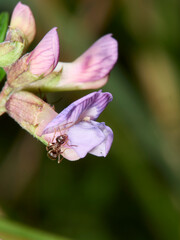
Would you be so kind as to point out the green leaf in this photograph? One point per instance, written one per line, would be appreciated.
(15, 231)
(4, 18)
(2, 74)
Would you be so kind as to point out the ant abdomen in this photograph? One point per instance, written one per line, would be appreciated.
(52, 154)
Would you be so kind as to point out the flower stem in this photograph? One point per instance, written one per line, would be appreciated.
(3, 97)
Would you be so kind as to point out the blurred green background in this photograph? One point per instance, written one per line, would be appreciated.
(133, 193)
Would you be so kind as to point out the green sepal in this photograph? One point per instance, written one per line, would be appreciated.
(10, 52)
(48, 83)
(23, 79)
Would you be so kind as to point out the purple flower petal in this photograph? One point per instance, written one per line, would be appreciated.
(84, 136)
(87, 108)
(43, 59)
(103, 148)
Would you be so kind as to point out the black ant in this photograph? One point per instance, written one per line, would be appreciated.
(54, 150)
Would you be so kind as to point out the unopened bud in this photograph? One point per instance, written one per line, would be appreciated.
(23, 20)
(31, 112)
(36, 64)
(44, 58)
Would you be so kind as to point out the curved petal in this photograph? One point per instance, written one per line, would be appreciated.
(94, 64)
(88, 108)
(103, 148)
(84, 136)
(43, 59)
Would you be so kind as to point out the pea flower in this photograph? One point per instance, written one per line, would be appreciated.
(89, 71)
(77, 121)
(36, 64)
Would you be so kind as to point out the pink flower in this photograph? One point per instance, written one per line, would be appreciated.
(92, 68)
(43, 59)
(23, 19)
(90, 71)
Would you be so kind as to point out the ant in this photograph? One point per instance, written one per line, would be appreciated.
(54, 149)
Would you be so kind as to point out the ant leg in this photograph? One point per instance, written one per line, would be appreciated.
(66, 124)
(54, 136)
(50, 145)
(59, 130)
(68, 144)
(59, 158)
(72, 145)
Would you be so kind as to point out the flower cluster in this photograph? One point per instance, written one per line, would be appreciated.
(74, 132)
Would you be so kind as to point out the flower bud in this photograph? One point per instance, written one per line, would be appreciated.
(36, 64)
(30, 112)
(44, 58)
(23, 20)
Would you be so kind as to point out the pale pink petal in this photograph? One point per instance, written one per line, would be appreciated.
(70, 154)
(23, 19)
(95, 64)
(43, 59)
